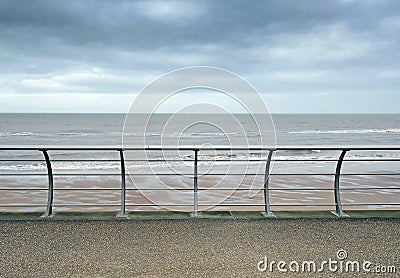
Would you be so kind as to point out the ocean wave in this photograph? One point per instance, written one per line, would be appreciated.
(37, 134)
(218, 159)
(70, 165)
(22, 134)
(349, 131)
(189, 134)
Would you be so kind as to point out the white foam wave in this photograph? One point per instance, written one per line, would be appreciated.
(11, 134)
(219, 159)
(348, 131)
(190, 134)
(70, 165)
(28, 134)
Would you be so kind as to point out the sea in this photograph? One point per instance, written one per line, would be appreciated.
(201, 130)
(107, 129)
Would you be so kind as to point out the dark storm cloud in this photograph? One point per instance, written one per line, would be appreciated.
(119, 46)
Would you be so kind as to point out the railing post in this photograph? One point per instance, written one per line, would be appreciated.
(50, 194)
(339, 211)
(195, 186)
(267, 210)
(123, 185)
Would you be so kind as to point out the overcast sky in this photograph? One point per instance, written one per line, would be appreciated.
(302, 56)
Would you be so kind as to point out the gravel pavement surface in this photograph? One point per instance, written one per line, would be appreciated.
(192, 247)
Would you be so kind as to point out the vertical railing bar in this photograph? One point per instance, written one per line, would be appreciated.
(50, 194)
(267, 210)
(338, 203)
(195, 185)
(122, 212)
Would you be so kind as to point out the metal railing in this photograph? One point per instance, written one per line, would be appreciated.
(270, 151)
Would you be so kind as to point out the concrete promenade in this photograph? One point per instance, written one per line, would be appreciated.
(191, 247)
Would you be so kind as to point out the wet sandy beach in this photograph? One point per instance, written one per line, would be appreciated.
(146, 193)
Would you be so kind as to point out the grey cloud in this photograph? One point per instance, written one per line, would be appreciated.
(280, 46)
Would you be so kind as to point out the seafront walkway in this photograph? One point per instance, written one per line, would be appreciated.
(176, 245)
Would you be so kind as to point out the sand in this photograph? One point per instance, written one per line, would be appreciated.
(250, 192)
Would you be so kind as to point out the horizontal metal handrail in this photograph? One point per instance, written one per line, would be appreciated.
(197, 161)
(201, 148)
